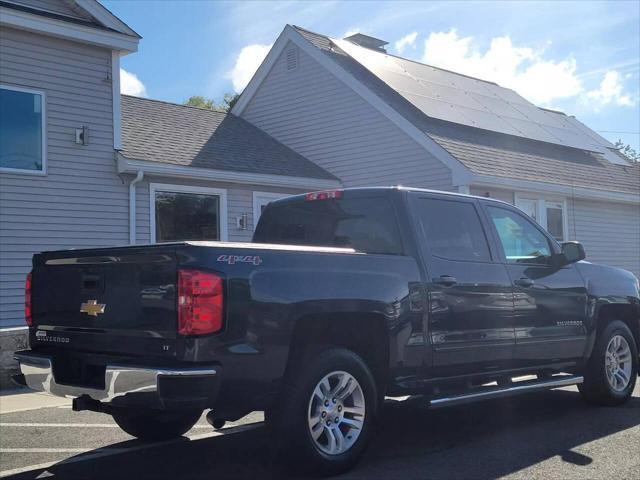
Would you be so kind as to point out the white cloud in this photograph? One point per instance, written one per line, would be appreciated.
(610, 91)
(247, 62)
(523, 69)
(406, 41)
(130, 84)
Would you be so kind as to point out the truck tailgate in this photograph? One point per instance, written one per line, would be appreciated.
(116, 300)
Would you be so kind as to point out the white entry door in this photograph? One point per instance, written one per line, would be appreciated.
(261, 200)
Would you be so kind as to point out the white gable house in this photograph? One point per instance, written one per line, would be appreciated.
(371, 118)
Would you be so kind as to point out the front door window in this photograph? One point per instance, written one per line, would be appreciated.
(521, 240)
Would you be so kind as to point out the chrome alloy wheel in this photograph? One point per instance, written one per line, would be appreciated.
(618, 363)
(336, 413)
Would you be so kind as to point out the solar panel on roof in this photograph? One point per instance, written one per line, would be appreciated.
(497, 106)
(531, 130)
(489, 121)
(449, 94)
(456, 98)
(505, 94)
(613, 158)
(437, 109)
(598, 139)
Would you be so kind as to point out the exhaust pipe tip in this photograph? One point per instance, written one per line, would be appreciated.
(216, 423)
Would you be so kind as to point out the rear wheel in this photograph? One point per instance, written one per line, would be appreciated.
(327, 413)
(612, 370)
(153, 425)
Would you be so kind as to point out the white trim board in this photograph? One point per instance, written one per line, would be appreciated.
(72, 31)
(156, 168)
(165, 187)
(115, 93)
(43, 115)
(105, 17)
(460, 174)
(483, 181)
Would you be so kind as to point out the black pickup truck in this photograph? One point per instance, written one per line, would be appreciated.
(344, 297)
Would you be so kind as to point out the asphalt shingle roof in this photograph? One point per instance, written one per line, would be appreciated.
(164, 132)
(492, 153)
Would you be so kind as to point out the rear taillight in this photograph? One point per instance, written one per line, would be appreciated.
(27, 300)
(200, 302)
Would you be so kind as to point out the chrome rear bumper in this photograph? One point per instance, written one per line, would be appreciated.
(119, 380)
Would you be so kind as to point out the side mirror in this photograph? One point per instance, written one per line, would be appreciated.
(573, 252)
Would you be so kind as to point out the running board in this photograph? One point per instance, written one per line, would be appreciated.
(488, 393)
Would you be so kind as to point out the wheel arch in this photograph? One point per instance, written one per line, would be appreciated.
(366, 334)
(627, 313)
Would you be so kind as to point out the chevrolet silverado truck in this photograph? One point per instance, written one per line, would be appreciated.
(344, 297)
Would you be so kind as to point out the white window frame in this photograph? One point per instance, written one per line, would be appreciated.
(263, 198)
(541, 209)
(43, 116)
(172, 188)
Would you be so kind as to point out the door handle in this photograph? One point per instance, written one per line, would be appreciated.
(445, 280)
(524, 282)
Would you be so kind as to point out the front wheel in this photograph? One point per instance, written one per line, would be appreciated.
(611, 373)
(327, 413)
(153, 425)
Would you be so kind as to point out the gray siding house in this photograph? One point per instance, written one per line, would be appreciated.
(59, 73)
(371, 118)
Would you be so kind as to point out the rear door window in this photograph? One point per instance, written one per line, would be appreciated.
(453, 229)
(364, 224)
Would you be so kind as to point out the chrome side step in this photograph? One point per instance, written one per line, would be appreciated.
(488, 393)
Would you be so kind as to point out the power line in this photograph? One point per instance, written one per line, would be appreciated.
(614, 131)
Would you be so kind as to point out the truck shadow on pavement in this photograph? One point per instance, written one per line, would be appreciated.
(484, 440)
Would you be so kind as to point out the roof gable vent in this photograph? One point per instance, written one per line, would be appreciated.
(367, 41)
(292, 57)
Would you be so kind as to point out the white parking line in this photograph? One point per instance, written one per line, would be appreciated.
(74, 425)
(57, 450)
(105, 452)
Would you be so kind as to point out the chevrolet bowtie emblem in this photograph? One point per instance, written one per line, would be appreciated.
(92, 307)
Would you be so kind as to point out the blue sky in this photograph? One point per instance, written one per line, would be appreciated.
(579, 57)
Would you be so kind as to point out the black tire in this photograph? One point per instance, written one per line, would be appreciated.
(154, 425)
(596, 388)
(295, 444)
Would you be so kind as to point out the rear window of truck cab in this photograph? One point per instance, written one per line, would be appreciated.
(366, 224)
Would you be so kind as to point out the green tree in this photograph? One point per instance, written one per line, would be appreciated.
(230, 100)
(627, 151)
(227, 103)
(200, 101)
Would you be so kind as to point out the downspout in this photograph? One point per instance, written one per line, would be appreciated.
(132, 207)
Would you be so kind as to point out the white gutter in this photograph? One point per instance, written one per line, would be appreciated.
(132, 207)
(554, 188)
(126, 165)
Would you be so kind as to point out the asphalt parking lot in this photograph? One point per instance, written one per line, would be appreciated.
(550, 435)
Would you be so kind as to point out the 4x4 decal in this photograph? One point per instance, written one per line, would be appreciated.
(232, 259)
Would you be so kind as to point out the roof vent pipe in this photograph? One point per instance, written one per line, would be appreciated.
(367, 42)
